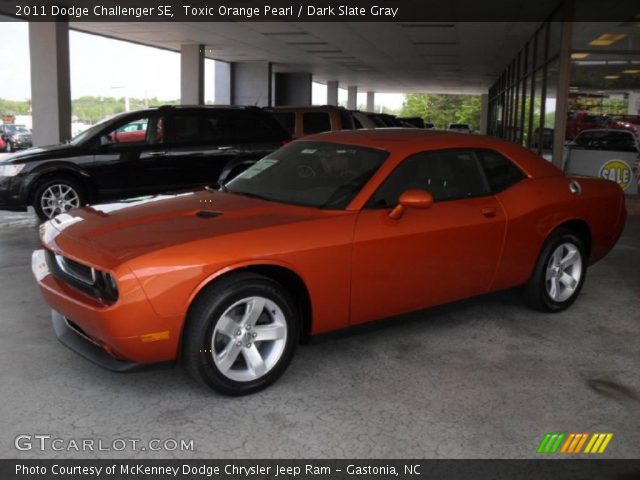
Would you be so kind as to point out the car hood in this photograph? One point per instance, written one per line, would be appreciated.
(132, 228)
(41, 153)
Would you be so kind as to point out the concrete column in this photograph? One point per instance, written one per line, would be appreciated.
(50, 82)
(292, 89)
(222, 92)
(564, 78)
(352, 97)
(634, 103)
(192, 74)
(484, 113)
(251, 84)
(332, 93)
(371, 101)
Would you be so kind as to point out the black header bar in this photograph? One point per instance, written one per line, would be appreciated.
(406, 11)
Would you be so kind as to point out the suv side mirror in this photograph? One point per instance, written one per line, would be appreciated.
(411, 199)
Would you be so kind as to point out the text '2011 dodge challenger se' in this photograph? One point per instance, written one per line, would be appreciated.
(332, 231)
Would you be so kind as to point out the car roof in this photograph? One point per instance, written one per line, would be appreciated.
(409, 141)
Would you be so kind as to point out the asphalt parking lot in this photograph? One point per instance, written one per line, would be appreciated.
(484, 378)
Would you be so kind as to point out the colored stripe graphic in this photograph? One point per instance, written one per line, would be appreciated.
(574, 443)
(598, 442)
(551, 442)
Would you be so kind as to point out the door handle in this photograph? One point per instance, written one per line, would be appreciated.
(489, 212)
(156, 154)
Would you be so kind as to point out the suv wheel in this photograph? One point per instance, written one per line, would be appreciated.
(56, 196)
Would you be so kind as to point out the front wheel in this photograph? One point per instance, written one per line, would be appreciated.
(56, 196)
(559, 274)
(240, 334)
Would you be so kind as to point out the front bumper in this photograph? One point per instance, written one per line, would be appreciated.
(74, 339)
(13, 195)
(124, 336)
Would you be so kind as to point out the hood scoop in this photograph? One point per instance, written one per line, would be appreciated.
(207, 214)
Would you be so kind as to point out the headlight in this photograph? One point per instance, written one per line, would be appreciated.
(107, 285)
(11, 169)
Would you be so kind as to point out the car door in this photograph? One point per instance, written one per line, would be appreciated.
(196, 149)
(120, 152)
(427, 257)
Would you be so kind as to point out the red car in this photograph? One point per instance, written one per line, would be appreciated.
(328, 232)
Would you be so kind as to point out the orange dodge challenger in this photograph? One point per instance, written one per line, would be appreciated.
(328, 232)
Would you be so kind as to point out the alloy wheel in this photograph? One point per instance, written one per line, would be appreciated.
(249, 339)
(59, 198)
(564, 272)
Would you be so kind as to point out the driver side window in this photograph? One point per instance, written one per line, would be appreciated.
(445, 174)
(141, 131)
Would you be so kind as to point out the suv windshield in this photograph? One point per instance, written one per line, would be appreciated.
(314, 174)
(16, 129)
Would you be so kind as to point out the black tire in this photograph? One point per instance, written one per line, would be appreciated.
(535, 292)
(42, 187)
(208, 309)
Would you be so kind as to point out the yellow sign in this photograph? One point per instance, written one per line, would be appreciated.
(617, 171)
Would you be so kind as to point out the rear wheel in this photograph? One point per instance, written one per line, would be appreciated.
(240, 334)
(559, 274)
(57, 195)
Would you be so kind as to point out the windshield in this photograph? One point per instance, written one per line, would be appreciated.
(314, 174)
(17, 129)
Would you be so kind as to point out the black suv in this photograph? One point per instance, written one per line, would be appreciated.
(139, 153)
(15, 137)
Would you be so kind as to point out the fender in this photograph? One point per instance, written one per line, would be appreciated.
(61, 167)
(237, 266)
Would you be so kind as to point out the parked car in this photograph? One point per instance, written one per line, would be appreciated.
(606, 139)
(612, 154)
(389, 120)
(460, 127)
(365, 120)
(417, 122)
(301, 121)
(15, 137)
(330, 231)
(577, 121)
(139, 153)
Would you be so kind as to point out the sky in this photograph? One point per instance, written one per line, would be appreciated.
(123, 69)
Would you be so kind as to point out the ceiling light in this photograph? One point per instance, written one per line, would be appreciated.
(611, 77)
(579, 56)
(607, 39)
(631, 71)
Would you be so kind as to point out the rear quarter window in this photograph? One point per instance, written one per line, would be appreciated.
(501, 172)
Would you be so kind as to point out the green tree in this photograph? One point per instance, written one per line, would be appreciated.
(441, 109)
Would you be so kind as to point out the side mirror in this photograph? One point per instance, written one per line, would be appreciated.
(411, 199)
